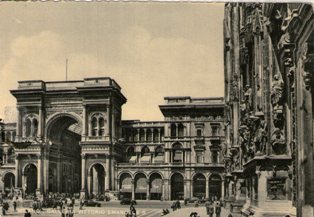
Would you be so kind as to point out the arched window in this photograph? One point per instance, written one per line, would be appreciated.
(180, 130)
(173, 130)
(31, 126)
(28, 126)
(156, 135)
(145, 151)
(149, 135)
(94, 126)
(101, 126)
(35, 127)
(142, 135)
(177, 153)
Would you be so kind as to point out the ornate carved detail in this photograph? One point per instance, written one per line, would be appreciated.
(278, 142)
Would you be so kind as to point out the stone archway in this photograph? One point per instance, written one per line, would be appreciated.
(64, 134)
(214, 186)
(140, 186)
(155, 186)
(97, 179)
(125, 185)
(177, 187)
(30, 173)
(199, 186)
(9, 181)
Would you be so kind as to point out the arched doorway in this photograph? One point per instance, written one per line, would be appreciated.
(97, 179)
(199, 186)
(9, 181)
(214, 186)
(177, 187)
(64, 134)
(155, 186)
(125, 186)
(30, 173)
(140, 186)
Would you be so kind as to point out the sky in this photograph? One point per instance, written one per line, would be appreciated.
(152, 50)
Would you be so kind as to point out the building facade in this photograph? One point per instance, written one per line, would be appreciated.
(69, 138)
(268, 92)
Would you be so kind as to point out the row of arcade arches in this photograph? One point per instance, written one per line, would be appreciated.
(151, 187)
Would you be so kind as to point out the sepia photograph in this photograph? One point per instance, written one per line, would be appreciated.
(156, 108)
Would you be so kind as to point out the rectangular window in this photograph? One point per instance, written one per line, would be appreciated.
(199, 133)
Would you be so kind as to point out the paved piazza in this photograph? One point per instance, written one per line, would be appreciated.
(114, 209)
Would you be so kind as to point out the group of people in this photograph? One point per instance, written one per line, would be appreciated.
(213, 207)
(176, 205)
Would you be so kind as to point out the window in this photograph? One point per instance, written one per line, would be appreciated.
(28, 126)
(215, 130)
(199, 157)
(149, 135)
(94, 126)
(97, 125)
(173, 130)
(214, 157)
(31, 126)
(180, 130)
(142, 135)
(101, 126)
(156, 135)
(199, 133)
(177, 153)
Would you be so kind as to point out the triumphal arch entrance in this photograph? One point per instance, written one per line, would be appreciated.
(67, 136)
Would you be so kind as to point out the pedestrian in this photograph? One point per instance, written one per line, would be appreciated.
(218, 211)
(14, 205)
(81, 204)
(210, 210)
(27, 214)
(3, 211)
(35, 207)
(63, 212)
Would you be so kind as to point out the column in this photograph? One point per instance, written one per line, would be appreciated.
(153, 135)
(207, 187)
(108, 121)
(147, 189)
(138, 157)
(166, 157)
(162, 189)
(107, 178)
(145, 134)
(222, 190)
(151, 157)
(19, 124)
(89, 183)
(40, 123)
(84, 123)
(17, 175)
(138, 134)
(159, 135)
(39, 182)
(133, 190)
(83, 172)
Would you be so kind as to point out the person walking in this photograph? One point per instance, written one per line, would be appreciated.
(14, 205)
(63, 212)
(210, 210)
(27, 214)
(218, 211)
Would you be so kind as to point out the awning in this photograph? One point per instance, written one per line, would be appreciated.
(145, 158)
(126, 184)
(159, 158)
(141, 185)
(133, 159)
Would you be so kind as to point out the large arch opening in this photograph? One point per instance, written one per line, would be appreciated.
(125, 186)
(177, 187)
(199, 186)
(155, 186)
(30, 173)
(97, 179)
(140, 186)
(214, 186)
(9, 182)
(64, 134)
